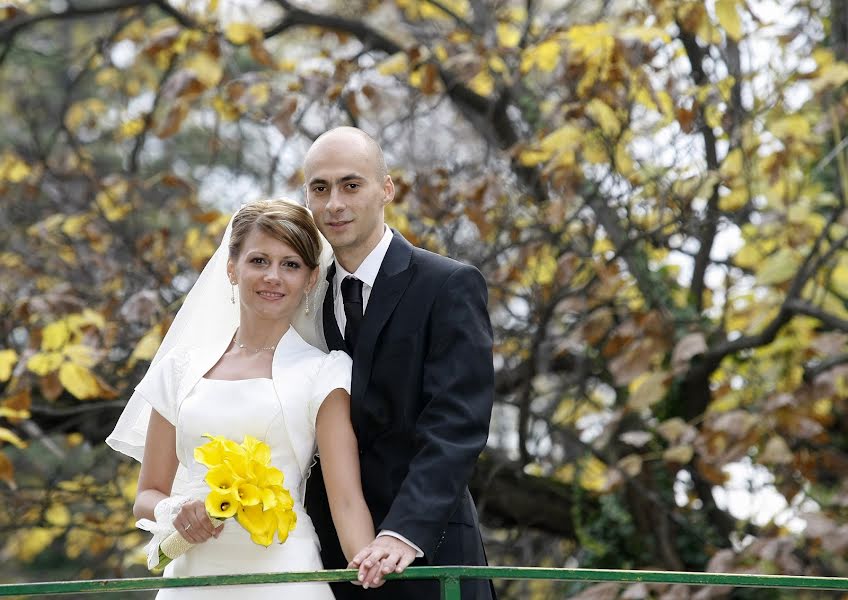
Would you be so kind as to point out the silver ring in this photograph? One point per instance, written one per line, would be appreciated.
(187, 527)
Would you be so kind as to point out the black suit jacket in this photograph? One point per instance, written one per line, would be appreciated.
(421, 400)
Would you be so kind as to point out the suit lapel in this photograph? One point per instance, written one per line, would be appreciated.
(332, 335)
(392, 280)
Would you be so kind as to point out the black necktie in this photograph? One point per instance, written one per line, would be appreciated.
(352, 298)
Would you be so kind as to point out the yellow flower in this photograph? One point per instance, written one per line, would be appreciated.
(249, 494)
(256, 450)
(260, 524)
(222, 505)
(286, 522)
(215, 451)
(267, 476)
(222, 478)
(284, 499)
(269, 498)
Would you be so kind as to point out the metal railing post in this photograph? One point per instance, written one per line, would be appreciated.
(451, 589)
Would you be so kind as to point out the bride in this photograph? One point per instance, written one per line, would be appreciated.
(234, 364)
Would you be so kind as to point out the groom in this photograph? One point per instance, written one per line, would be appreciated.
(416, 325)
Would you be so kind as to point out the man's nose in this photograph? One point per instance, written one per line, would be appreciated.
(336, 201)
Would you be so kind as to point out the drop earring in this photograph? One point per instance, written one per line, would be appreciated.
(232, 292)
(306, 294)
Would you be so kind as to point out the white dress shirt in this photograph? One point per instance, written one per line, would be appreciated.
(367, 274)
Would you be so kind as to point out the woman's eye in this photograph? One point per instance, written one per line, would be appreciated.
(292, 265)
(353, 186)
(257, 260)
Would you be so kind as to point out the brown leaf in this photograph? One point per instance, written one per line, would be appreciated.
(50, 386)
(162, 40)
(173, 120)
(19, 401)
(687, 348)
(182, 84)
(260, 54)
(776, 452)
(7, 470)
(283, 119)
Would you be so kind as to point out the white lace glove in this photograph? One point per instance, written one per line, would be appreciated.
(165, 511)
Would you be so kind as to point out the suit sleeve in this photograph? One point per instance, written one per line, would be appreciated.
(452, 428)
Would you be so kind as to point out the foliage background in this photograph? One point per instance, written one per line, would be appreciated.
(655, 191)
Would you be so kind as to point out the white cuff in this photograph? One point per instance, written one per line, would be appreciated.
(165, 511)
(395, 534)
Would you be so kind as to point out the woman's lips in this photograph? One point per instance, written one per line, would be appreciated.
(270, 295)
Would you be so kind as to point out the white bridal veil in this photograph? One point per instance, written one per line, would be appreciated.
(207, 315)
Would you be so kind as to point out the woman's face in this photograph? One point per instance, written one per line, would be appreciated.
(271, 276)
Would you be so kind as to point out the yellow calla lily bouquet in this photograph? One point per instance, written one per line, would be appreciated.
(243, 484)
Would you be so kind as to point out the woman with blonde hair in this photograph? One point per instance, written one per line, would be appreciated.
(233, 364)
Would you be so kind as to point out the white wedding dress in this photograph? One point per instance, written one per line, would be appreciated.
(234, 409)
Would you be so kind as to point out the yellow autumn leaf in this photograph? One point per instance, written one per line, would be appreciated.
(112, 201)
(146, 347)
(727, 14)
(681, 454)
(78, 380)
(12, 168)
(243, 33)
(10, 437)
(43, 363)
(58, 515)
(80, 354)
(779, 267)
(205, 68)
(508, 35)
(731, 166)
(31, 542)
(482, 83)
(544, 56)
(838, 284)
(8, 358)
(592, 474)
(73, 225)
(87, 318)
(631, 465)
(55, 335)
(647, 390)
(225, 109)
(604, 116)
(396, 64)
(131, 128)
(734, 199)
(85, 112)
(830, 77)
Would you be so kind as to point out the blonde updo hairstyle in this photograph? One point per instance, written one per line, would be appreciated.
(283, 220)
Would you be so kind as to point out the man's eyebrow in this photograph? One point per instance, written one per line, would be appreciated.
(343, 179)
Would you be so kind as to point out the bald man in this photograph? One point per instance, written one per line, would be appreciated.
(416, 325)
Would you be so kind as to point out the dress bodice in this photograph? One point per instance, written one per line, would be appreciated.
(235, 409)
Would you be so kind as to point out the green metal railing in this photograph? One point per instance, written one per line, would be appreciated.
(449, 580)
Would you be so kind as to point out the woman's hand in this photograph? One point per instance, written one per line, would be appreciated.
(194, 524)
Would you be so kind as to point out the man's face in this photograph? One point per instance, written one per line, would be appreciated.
(345, 192)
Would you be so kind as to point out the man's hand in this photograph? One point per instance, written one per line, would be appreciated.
(386, 554)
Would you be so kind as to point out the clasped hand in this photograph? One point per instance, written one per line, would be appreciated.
(386, 554)
(194, 524)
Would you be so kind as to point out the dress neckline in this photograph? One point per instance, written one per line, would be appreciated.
(238, 380)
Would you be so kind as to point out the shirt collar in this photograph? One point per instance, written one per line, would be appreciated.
(367, 271)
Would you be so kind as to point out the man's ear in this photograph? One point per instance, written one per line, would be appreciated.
(388, 190)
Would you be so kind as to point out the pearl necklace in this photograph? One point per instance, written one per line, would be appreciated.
(255, 350)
